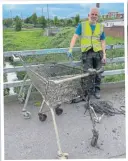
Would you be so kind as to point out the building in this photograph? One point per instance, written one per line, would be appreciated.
(113, 15)
(114, 22)
(51, 31)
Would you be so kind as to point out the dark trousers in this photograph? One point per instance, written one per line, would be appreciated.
(91, 59)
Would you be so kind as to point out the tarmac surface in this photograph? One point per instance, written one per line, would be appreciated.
(33, 139)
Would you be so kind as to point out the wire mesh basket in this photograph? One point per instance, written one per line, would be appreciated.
(57, 81)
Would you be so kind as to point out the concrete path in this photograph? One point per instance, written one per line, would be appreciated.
(32, 139)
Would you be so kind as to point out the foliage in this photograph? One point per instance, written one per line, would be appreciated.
(56, 20)
(18, 23)
(8, 22)
(32, 39)
(77, 19)
(42, 21)
(114, 78)
(34, 19)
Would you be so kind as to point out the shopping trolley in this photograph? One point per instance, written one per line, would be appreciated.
(57, 83)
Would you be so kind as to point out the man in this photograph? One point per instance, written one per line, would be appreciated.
(92, 45)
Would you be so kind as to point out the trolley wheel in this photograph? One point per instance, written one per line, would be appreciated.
(58, 111)
(21, 100)
(27, 115)
(63, 156)
(94, 141)
(42, 117)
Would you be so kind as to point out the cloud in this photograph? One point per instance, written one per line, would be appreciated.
(9, 6)
(55, 11)
(14, 7)
(61, 11)
(40, 9)
(104, 7)
(87, 5)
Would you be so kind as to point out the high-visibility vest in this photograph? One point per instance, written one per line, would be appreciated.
(91, 40)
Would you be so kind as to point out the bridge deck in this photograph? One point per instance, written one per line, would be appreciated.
(32, 139)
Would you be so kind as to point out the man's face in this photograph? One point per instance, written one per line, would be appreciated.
(93, 16)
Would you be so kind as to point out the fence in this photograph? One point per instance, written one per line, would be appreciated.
(61, 51)
(114, 31)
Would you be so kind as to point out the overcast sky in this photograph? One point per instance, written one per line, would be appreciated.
(60, 10)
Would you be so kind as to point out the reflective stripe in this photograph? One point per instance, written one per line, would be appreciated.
(89, 37)
(85, 46)
(101, 28)
(97, 45)
(83, 27)
(96, 38)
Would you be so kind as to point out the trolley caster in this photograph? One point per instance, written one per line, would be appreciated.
(58, 111)
(63, 156)
(94, 138)
(42, 117)
(21, 100)
(94, 141)
(26, 114)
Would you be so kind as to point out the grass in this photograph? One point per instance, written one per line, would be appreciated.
(115, 53)
(114, 66)
(111, 40)
(32, 39)
(115, 78)
(25, 40)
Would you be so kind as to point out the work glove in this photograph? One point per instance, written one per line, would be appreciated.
(104, 59)
(69, 53)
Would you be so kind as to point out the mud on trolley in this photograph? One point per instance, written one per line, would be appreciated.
(57, 83)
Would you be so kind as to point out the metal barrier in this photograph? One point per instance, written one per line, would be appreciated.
(56, 50)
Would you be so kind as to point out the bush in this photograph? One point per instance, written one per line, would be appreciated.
(18, 24)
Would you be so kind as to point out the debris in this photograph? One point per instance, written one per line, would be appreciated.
(114, 130)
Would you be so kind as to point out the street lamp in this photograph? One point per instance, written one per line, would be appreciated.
(98, 5)
(48, 15)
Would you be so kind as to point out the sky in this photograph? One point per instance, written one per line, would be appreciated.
(59, 10)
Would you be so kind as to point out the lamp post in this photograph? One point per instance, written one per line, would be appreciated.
(48, 16)
(98, 5)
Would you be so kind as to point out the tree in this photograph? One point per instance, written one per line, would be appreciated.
(42, 21)
(100, 19)
(18, 23)
(8, 22)
(62, 22)
(69, 22)
(34, 19)
(77, 19)
(51, 22)
(55, 20)
(27, 20)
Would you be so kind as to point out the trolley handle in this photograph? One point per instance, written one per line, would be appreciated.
(70, 59)
(92, 71)
(16, 57)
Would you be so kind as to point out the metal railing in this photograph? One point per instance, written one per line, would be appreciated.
(61, 51)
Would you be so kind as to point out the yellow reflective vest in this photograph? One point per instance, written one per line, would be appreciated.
(91, 40)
